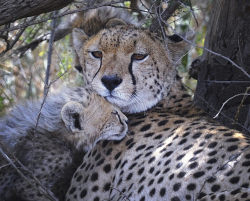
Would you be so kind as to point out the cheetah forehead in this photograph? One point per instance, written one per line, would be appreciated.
(123, 38)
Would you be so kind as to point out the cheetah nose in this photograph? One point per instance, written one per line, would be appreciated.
(111, 81)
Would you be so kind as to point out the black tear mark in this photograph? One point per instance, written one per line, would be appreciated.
(76, 118)
(131, 72)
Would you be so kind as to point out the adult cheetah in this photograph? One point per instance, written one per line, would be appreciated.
(173, 151)
(52, 150)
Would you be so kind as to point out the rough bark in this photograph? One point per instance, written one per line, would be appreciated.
(229, 35)
(11, 10)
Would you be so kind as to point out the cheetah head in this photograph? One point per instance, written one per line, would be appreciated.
(88, 124)
(128, 66)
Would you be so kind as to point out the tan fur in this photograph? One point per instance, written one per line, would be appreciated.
(53, 156)
(145, 82)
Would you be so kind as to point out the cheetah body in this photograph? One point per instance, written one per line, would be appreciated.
(53, 155)
(173, 152)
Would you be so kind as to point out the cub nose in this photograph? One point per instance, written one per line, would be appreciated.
(111, 81)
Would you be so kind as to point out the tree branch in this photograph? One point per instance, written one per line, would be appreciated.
(156, 25)
(11, 10)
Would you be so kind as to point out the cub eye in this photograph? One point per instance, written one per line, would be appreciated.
(96, 54)
(139, 57)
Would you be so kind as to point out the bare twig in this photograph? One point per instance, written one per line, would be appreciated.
(51, 40)
(236, 117)
(226, 81)
(241, 94)
(215, 110)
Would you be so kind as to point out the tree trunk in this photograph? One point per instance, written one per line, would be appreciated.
(229, 35)
(11, 10)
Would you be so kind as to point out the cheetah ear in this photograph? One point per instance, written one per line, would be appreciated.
(178, 47)
(115, 22)
(79, 37)
(72, 116)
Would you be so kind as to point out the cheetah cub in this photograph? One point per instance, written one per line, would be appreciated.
(50, 153)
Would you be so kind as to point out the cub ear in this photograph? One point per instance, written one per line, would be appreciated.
(115, 22)
(178, 47)
(72, 116)
(79, 37)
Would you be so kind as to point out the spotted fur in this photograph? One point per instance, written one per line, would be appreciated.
(53, 149)
(173, 151)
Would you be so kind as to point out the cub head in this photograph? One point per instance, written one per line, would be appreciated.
(128, 66)
(88, 124)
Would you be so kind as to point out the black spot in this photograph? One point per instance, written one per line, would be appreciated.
(222, 197)
(196, 135)
(83, 193)
(151, 160)
(235, 192)
(215, 188)
(107, 168)
(198, 174)
(167, 154)
(212, 160)
(177, 186)
(193, 165)
(179, 121)
(151, 170)
(212, 145)
(208, 136)
(162, 192)
(181, 174)
(140, 171)
(150, 182)
(246, 163)
(146, 127)
(140, 147)
(162, 123)
(232, 140)
(152, 192)
(106, 187)
(148, 134)
(142, 179)
(72, 190)
(191, 186)
(158, 137)
(232, 148)
(109, 152)
(212, 153)
(211, 179)
(94, 176)
(171, 176)
(234, 180)
(79, 178)
(140, 189)
(95, 188)
(129, 142)
(175, 199)
(160, 180)
(142, 198)
(247, 156)
(180, 157)
(136, 123)
(182, 141)
(188, 147)
(188, 197)
(228, 134)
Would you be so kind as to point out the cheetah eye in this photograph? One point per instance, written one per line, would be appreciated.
(96, 54)
(139, 57)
